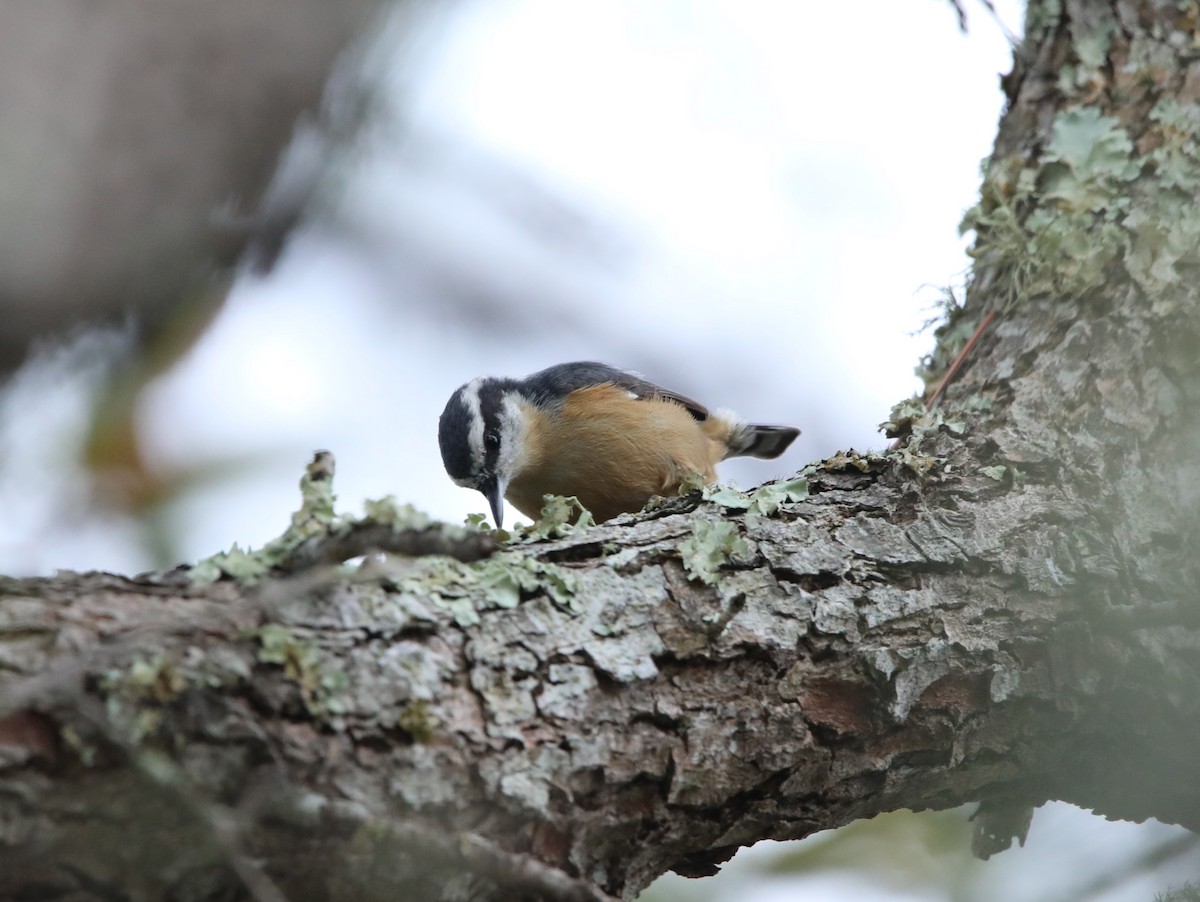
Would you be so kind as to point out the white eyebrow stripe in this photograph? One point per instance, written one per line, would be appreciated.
(470, 398)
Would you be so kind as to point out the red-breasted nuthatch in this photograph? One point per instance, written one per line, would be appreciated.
(608, 437)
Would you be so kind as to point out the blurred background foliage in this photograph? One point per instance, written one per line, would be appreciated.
(238, 230)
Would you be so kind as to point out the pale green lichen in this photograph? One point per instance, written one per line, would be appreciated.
(711, 545)
(503, 578)
(86, 752)
(1165, 235)
(560, 516)
(920, 465)
(729, 497)
(315, 521)
(1059, 226)
(1083, 194)
(497, 582)
(905, 418)
(321, 686)
(1040, 16)
(133, 695)
(478, 521)
(868, 462)
(913, 422)
(1095, 199)
(976, 404)
(1087, 162)
(316, 512)
(315, 517)
(136, 693)
(400, 517)
(1091, 39)
(768, 498)
(764, 501)
(417, 721)
(692, 481)
(236, 563)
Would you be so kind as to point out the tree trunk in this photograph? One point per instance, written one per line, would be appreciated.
(1004, 607)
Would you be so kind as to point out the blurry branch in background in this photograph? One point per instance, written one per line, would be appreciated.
(117, 165)
(145, 149)
(1150, 861)
(961, 11)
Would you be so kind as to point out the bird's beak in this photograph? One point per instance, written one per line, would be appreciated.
(493, 490)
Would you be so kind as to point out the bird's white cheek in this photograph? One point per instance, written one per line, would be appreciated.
(513, 449)
(511, 463)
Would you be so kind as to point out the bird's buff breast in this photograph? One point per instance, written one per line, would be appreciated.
(612, 452)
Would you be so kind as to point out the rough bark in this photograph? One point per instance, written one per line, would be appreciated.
(1004, 607)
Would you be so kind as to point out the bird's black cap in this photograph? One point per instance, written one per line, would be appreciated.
(454, 429)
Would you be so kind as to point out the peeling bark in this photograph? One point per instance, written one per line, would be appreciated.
(1002, 608)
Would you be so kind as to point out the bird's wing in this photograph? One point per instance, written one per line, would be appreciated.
(562, 379)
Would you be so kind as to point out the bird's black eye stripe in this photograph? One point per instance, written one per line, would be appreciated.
(491, 440)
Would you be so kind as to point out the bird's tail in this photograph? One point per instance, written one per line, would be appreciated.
(756, 440)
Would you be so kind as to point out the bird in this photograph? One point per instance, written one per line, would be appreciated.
(607, 436)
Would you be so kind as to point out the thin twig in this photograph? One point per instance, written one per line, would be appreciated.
(365, 537)
(959, 358)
